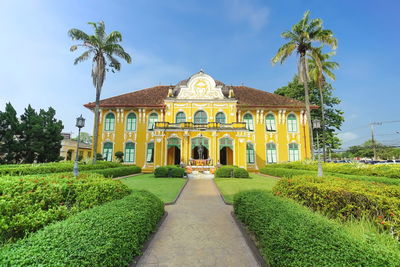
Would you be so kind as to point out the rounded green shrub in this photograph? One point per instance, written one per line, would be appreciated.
(240, 173)
(225, 172)
(161, 171)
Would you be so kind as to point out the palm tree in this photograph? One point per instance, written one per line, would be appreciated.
(318, 69)
(300, 39)
(102, 48)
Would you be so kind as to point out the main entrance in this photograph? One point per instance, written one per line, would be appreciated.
(200, 148)
(226, 151)
(174, 151)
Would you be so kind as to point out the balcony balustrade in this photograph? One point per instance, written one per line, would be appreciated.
(240, 126)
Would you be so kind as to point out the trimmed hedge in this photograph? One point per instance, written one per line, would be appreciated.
(118, 172)
(231, 172)
(345, 199)
(29, 203)
(284, 172)
(291, 235)
(55, 167)
(169, 171)
(108, 235)
(391, 171)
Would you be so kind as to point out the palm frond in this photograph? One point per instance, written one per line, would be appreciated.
(79, 35)
(326, 37)
(283, 52)
(118, 50)
(114, 63)
(85, 55)
(113, 37)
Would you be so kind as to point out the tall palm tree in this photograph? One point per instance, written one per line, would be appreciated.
(300, 39)
(102, 48)
(318, 69)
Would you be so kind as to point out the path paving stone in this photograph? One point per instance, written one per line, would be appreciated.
(198, 231)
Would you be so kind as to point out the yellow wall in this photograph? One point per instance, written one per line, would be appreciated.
(259, 137)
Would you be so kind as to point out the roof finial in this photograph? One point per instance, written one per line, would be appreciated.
(201, 70)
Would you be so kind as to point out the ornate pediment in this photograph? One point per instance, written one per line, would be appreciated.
(200, 86)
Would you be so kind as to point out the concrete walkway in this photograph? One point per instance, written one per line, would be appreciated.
(198, 231)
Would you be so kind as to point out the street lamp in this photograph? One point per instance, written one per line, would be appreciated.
(317, 125)
(80, 123)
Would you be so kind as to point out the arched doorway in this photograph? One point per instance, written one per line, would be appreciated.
(174, 151)
(69, 154)
(226, 151)
(200, 148)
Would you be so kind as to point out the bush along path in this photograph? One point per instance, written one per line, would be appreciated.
(199, 231)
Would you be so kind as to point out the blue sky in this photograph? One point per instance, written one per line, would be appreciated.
(231, 40)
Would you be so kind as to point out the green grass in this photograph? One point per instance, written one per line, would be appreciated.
(165, 188)
(230, 186)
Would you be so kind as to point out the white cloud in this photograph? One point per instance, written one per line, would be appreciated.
(255, 16)
(347, 136)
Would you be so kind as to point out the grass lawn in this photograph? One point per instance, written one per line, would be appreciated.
(165, 188)
(230, 186)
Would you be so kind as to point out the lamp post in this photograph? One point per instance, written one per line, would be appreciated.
(80, 123)
(317, 125)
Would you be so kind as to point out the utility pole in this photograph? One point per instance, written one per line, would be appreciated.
(373, 136)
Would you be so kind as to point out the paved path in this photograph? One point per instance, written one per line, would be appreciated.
(198, 231)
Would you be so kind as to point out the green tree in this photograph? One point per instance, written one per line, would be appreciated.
(333, 116)
(300, 39)
(40, 135)
(102, 48)
(318, 68)
(366, 150)
(9, 136)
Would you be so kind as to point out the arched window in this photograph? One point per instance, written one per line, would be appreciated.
(270, 123)
(131, 122)
(271, 153)
(294, 152)
(108, 151)
(150, 152)
(153, 118)
(248, 119)
(129, 155)
(292, 123)
(200, 117)
(109, 122)
(220, 117)
(250, 153)
(180, 117)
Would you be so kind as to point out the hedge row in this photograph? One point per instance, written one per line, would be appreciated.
(29, 203)
(29, 169)
(169, 171)
(107, 235)
(345, 199)
(284, 172)
(291, 235)
(231, 172)
(118, 172)
(391, 171)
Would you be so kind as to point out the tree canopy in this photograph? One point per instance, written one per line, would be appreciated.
(35, 137)
(333, 116)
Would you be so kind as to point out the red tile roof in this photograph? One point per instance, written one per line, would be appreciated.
(155, 96)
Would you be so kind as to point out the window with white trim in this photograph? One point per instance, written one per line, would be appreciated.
(200, 117)
(131, 122)
(294, 154)
(270, 123)
(108, 151)
(250, 153)
(180, 117)
(129, 155)
(109, 122)
(150, 152)
(292, 123)
(248, 119)
(220, 117)
(153, 118)
(271, 153)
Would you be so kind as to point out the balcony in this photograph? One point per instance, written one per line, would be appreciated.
(238, 126)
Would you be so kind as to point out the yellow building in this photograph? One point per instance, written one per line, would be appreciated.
(203, 121)
(68, 149)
